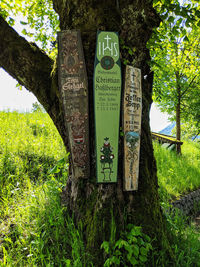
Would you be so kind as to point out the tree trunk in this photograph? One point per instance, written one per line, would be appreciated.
(97, 205)
(94, 205)
(178, 113)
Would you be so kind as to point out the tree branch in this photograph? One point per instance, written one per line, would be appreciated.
(32, 68)
(24, 61)
(191, 82)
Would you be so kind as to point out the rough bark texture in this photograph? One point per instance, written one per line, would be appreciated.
(97, 205)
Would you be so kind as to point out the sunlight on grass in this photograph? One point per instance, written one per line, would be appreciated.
(36, 230)
(178, 174)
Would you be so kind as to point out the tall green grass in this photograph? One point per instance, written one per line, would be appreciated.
(29, 146)
(178, 175)
(35, 230)
(184, 241)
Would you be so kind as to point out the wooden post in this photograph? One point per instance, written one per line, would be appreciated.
(132, 113)
(74, 90)
(107, 94)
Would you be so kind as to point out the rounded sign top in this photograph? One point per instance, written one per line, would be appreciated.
(107, 47)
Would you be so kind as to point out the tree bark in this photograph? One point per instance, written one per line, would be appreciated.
(178, 113)
(95, 206)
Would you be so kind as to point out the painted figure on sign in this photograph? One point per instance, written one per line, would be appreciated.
(132, 141)
(106, 159)
(77, 127)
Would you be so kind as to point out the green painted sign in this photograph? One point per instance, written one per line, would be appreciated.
(107, 96)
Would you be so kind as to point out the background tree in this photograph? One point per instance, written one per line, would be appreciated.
(191, 116)
(94, 206)
(176, 66)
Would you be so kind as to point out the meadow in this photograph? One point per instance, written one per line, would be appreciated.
(178, 175)
(35, 229)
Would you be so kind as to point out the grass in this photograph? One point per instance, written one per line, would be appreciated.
(38, 231)
(35, 229)
(178, 175)
(184, 240)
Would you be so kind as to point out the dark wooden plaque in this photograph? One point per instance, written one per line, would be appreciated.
(132, 114)
(74, 90)
(107, 95)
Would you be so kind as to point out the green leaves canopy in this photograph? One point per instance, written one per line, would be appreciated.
(36, 19)
(175, 55)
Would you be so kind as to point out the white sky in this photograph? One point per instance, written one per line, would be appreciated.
(14, 99)
(11, 97)
(158, 119)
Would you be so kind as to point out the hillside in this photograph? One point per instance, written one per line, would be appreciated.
(168, 130)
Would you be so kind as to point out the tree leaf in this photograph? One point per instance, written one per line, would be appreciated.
(106, 246)
(142, 258)
(23, 22)
(186, 39)
(171, 19)
(143, 251)
(136, 250)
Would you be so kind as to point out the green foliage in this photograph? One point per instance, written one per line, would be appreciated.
(184, 11)
(174, 49)
(191, 129)
(35, 230)
(38, 231)
(176, 67)
(129, 52)
(131, 249)
(178, 175)
(25, 150)
(39, 22)
(184, 240)
(37, 107)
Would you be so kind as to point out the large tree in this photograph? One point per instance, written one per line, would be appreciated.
(95, 205)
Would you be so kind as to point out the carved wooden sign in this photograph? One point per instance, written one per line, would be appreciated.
(132, 109)
(107, 95)
(74, 90)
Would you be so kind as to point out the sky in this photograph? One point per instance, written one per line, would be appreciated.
(11, 98)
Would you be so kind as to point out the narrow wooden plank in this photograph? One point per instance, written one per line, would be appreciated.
(165, 138)
(107, 94)
(132, 113)
(74, 90)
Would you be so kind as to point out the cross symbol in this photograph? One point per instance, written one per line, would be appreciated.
(107, 39)
(133, 75)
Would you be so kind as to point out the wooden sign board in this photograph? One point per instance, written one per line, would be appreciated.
(74, 90)
(132, 109)
(107, 95)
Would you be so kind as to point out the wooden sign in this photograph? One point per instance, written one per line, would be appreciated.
(132, 108)
(74, 90)
(107, 95)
